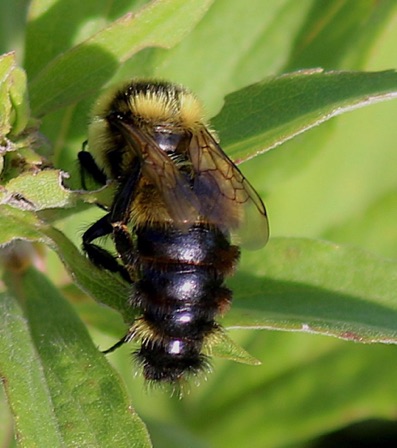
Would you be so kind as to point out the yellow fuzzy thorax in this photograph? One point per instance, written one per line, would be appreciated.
(156, 107)
(150, 104)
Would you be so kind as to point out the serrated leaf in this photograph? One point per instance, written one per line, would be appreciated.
(42, 190)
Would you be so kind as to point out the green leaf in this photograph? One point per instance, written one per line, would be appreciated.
(37, 191)
(311, 385)
(19, 225)
(224, 347)
(14, 109)
(317, 287)
(228, 57)
(63, 82)
(350, 27)
(6, 422)
(98, 283)
(70, 22)
(47, 351)
(280, 108)
(104, 286)
(375, 225)
(40, 191)
(23, 377)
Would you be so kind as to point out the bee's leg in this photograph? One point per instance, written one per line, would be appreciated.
(115, 346)
(88, 165)
(125, 196)
(99, 256)
(120, 215)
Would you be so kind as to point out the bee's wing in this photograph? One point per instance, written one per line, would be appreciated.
(181, 202)
(226, 197)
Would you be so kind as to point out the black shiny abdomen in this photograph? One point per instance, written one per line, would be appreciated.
(180, 291)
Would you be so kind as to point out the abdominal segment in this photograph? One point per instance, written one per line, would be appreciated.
(180, 292)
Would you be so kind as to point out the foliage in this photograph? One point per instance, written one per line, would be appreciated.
(257, 70)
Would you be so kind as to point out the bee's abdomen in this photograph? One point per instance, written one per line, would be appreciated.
(180, 292)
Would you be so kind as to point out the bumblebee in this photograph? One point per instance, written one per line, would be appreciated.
(179, 203)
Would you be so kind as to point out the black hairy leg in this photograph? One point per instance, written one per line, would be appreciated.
(99, 256)
(89, 166)
(120, 216)
(114, 223)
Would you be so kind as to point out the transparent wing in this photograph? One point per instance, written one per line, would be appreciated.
(226, 197)
(181, 202)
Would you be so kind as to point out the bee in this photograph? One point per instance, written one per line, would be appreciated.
(179, 203)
